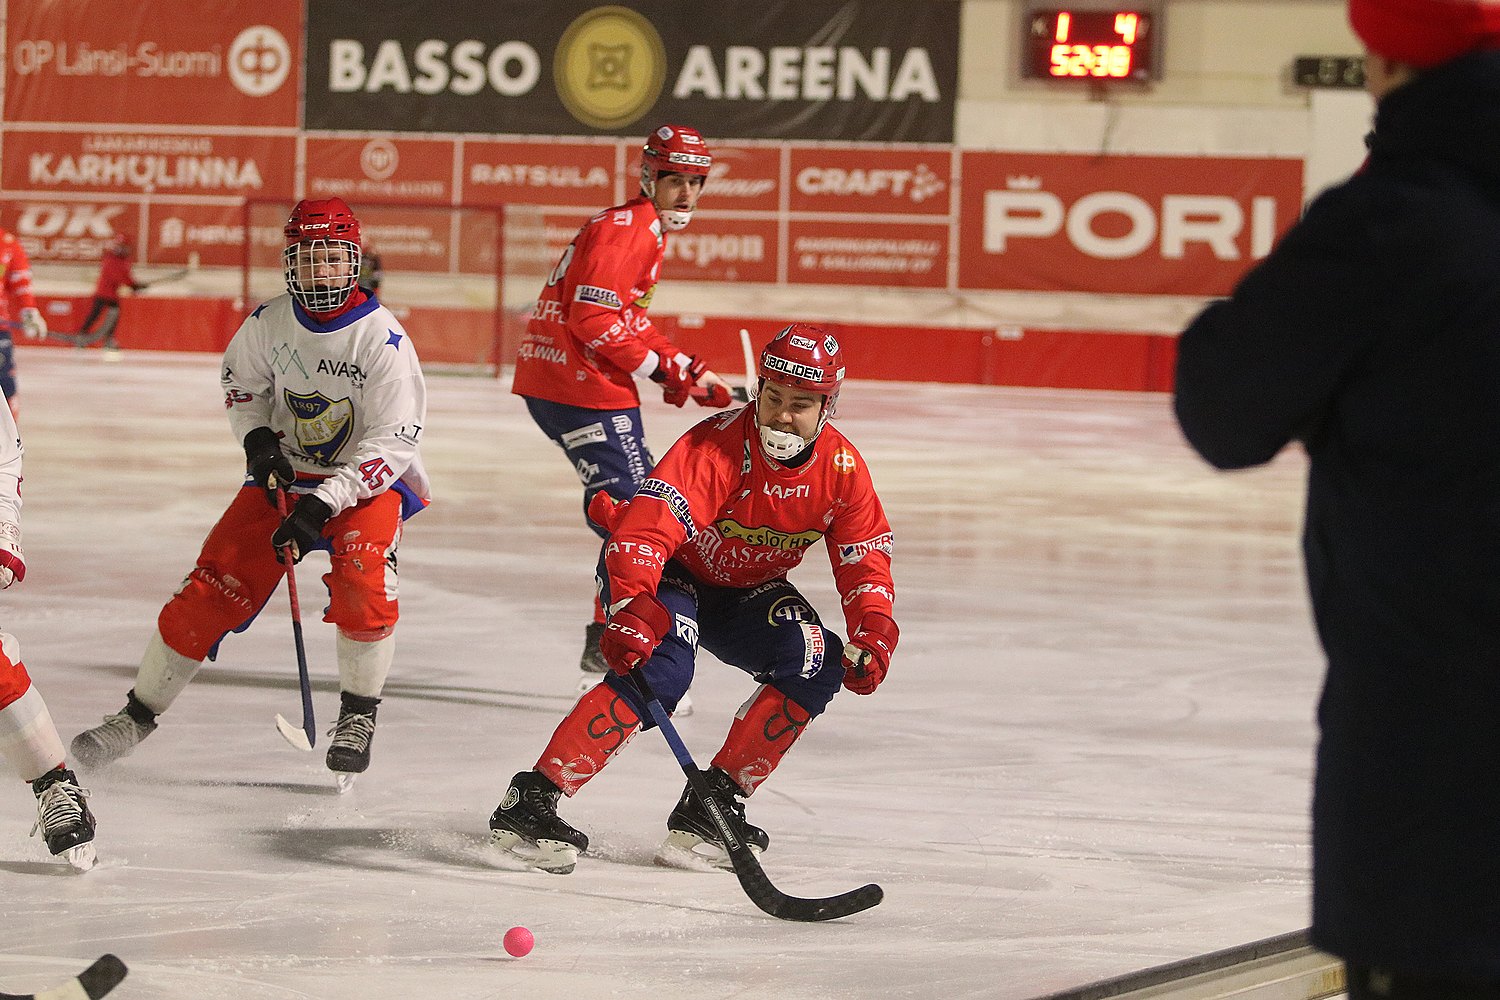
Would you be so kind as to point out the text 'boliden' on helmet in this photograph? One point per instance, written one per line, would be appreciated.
(673, 149)
(322, 254)
(808, 358)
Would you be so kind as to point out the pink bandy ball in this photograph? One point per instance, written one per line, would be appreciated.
(518, 941)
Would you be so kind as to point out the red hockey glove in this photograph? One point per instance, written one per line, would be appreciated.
(12, 559)
(634, 631)
(712, 395)
(867, 654)
(606, 511)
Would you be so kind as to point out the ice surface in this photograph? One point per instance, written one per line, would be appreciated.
(1092, 754)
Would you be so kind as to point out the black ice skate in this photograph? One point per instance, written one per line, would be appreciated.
(692, 838)
(115, 737)
(526, 826)
(349, 753)
(63, 818)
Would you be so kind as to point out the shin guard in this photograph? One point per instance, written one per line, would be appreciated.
(764, 729)
(163, 674)
(600, 724)
(364, 665)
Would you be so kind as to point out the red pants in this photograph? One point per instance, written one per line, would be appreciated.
(13, 678)
(237, 572)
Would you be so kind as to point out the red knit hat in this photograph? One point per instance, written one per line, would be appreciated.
(1426, 33)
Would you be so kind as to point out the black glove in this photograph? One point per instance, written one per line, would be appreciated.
(302, 527)
(263, 458)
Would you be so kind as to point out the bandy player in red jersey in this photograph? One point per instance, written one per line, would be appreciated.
(699, 557)
(589, 340)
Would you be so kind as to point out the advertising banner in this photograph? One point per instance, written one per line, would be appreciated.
(868, 253)
(785, 70)
(541, 173)
(871, 181)
(1155, 225)
(153, 62)
(380, 170)
(742, 178)
(248, 166)
(717, 249)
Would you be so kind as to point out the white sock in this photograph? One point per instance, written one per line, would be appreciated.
(28, 739)
(163, 674)
(363, 666)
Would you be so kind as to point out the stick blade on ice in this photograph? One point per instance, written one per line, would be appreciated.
(90, 984)
(293, 734)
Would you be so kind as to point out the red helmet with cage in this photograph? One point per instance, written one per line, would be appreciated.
(807, 358)
(322, 254)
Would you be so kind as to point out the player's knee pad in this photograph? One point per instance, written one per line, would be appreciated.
(813, 678)
(364, 663)
(362, 585)
(14, 681)
(205, 607)
(163, 674)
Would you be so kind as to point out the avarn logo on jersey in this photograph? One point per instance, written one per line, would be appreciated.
(323, 426)
(609, 67)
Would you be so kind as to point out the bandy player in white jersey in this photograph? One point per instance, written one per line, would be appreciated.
(324, 389)
(28, 739)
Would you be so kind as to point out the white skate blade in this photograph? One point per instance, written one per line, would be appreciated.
(551, 856)
(691, 852)
(344, 780)
(293, 734)
(82, 857)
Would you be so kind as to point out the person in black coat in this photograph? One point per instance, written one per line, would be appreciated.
(1371, 335)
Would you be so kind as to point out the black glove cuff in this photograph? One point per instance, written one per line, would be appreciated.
(312, 510)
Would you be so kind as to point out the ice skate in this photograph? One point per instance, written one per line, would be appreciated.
(349, 753)
(115, 737)
(525, 826)
(692, 839)
(63, 818)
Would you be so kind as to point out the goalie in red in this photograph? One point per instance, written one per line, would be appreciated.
(700, 556)
(589, 339)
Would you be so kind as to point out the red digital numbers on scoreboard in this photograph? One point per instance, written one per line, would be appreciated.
(1089, 44)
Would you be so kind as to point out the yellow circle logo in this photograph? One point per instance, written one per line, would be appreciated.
(609, 67)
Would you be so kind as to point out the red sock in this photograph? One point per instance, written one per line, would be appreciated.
(600, 724)
(763, 731)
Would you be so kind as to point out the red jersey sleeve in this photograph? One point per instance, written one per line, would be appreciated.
(17, 269)
(859, 543)
(685, 492)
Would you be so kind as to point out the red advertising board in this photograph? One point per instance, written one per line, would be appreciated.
(717, 249)
(380, 170)
(1158, 225)
(743, 178)
(249, 166)
(871, 181)
(540, 173)
(156, 62)
(905, 254)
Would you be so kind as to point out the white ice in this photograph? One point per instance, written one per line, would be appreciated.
(1092, 754)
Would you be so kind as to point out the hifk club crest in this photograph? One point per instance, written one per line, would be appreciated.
(324, 425)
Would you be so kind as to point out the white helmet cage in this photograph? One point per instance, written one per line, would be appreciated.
(321, 274)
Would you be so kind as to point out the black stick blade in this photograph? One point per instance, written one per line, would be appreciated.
(90, 984)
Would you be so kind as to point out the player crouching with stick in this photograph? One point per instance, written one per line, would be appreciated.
(324, 389)
(700, 556)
